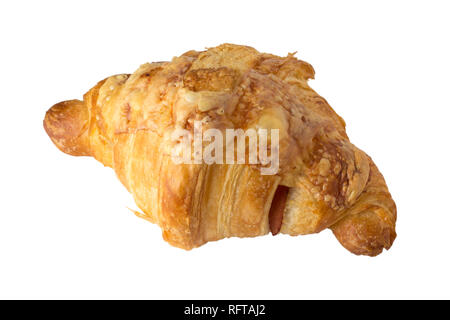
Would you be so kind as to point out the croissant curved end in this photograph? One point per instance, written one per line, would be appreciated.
(66, 124)
(366, 233)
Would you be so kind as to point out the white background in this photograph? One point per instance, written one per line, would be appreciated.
(65, 230)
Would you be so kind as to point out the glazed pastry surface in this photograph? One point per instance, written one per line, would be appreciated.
(127, 123)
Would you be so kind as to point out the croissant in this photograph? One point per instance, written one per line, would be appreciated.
(323, 181)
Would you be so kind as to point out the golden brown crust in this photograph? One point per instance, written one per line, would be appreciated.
(126, 122)
(67, 124)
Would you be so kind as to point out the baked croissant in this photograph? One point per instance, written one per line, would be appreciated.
(323, 180)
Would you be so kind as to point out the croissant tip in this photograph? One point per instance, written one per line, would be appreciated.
(66, 123)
